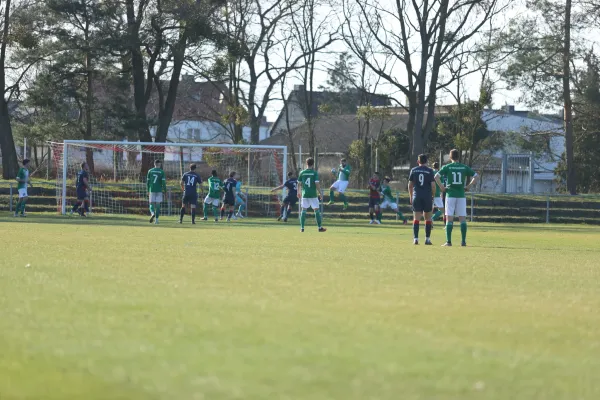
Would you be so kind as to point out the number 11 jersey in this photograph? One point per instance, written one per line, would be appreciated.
(456, 175)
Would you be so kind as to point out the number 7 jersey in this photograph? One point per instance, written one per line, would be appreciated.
(456, 175)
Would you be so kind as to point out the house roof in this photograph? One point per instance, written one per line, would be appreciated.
(335, 133)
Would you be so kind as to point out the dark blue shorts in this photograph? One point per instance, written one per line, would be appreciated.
(190, 199)
(229, 201)
(422, 204)
(374, 202)
(291, 200)
(81, 194)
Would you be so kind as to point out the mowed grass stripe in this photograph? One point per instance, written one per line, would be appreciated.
(116, 308)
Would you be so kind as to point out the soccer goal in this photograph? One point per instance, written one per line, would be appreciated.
(118, 173)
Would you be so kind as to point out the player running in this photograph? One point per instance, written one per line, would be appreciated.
(340, 184)
(240, 198)
(189, 183)
(456, 175)
(212, 198)
(389, 200)
(309, 187)
(421, 186)
(290, 200)
(229, 196)
(374, 199)
(157, 185)
(22, 182)
(437, 198)
(83, 188)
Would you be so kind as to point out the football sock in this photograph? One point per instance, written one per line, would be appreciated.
(302, 218)
(205, 210)
(371, 215)
(230, 214)
(76, 206)
(222, 212)
(331, 195)
(193, 215)
(216, 212)
(449, 226)
(284, 212)
(379, 216)
(242, 206)
(318, 218)
(181, 213)
(157, 214)
(416, 228)
(151, 208)
(343, 198)
(436, 215)
(400, 215)
(86, 205)
(463, 230)
(18, 207)
(428, 225)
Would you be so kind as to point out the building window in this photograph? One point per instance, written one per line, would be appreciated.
(190, 134)
(197, 134)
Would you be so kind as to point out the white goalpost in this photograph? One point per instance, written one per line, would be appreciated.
(118, 172)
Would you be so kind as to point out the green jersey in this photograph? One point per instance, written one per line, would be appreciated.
(156, 181)
(456, 175)
(309, 179)
(387, 194)
(24, 176)
(344, 173)
(214, 187)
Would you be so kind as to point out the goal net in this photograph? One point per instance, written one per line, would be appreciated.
(118, 173)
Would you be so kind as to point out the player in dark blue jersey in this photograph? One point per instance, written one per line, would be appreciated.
(189, 186)
(229, 196)
(421, 187)
(83, 187)
(291, 198)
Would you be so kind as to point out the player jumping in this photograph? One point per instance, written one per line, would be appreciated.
(189, 182)
(23, 181)
(229, 196)
(308, 185)
(389, 200)
(212, 198)
(456, 175)
(157, 185)
(374, 199)
(340, 184)
(421, 186)
(83, 188)
(290, 200)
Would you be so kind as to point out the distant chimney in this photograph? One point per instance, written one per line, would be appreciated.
(508, 109)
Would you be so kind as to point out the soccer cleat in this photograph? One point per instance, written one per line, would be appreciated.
(151, 218)
(345, 207)
(331, 202)
(428, 242)
(371, 222)
(228, 219)
(321, 229)
(234, 217)
(24, 216)
(447, 244)
(181, 221)
(240, 216)
(156, 221)
(463, 244)
(285, 220)
(16, 215)
(193, 222)
(216, 219)
(204, 219)
(416, 242)
(279, 218)
(301, 229)
(377, 222)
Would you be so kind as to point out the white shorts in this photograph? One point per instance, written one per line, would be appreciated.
(340, 186)
(438, 202)
(155, 197)
(310, 203)
(23, 193)
(389, 204)
(456, 207)
(211, 202)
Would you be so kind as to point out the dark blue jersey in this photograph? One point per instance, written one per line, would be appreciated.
(292, 186)
(190, 182)
(80, 183)
(422, 177)
(229, 187)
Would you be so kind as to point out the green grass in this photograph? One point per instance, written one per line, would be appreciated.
(119, 309)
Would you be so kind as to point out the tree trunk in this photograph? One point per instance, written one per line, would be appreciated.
(10, 163)
(568, 103)
(89, 103)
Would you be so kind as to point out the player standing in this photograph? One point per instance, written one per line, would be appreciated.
(290, 200)
(456, 175)
(389, 200)
(340, 184)
(83, 187)
(240, 198)
(374, 199)
(212, 198)
(189, 182)
(437, 198)
(308, 185)
(22, 182)
(229, 196)
(421, 186)
(157, 185)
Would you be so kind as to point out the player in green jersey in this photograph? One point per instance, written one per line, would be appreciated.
(437, 198)
(389, 200)
(215, 186)
(157, 185)
(22, 182)
(341, 184)
(456, 175)
(310, 189)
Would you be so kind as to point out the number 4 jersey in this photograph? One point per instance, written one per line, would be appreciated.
(456, 175)
(309, 179)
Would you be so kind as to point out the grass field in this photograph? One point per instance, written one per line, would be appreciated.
(118, 309)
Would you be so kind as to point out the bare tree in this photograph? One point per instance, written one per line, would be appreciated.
(408, 43)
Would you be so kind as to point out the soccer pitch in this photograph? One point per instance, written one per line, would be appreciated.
(109, 308)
